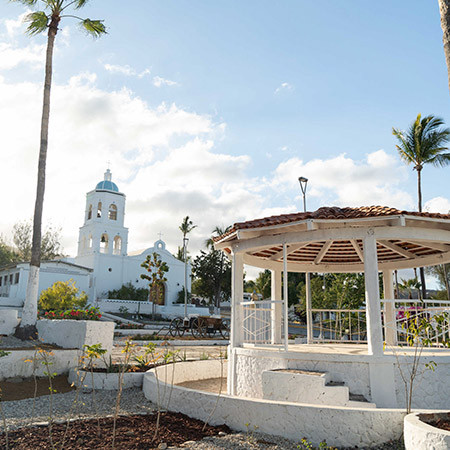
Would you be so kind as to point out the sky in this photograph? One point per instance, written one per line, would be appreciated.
(213, 109)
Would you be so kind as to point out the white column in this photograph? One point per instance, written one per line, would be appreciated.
(390, 333)
(309, 318)
(237, 294)
(285, 298)
(373, 309)
(276, 307)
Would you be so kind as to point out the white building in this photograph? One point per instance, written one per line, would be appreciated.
(102, 262)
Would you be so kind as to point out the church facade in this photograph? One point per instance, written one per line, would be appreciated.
(102, 262)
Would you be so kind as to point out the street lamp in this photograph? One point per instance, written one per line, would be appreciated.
(185, 244)
(303, 182)
(309, 329)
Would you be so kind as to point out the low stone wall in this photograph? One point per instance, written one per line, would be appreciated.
(421, 436)
(19, 363)
(376, 378)
(76, 333)
(8, 321)
(342, 427)
(106, 381)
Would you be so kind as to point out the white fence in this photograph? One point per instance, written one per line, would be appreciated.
(136, 307)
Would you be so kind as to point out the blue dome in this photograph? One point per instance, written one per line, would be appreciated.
(106, 185)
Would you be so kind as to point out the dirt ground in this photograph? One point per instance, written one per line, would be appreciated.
(25, 389)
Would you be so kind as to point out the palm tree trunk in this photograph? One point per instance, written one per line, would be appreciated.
(444, 8)
(27, 327)
(419, 196)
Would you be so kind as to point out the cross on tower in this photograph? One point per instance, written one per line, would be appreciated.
(160, 235)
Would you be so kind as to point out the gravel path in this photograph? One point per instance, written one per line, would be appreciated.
(19, 413)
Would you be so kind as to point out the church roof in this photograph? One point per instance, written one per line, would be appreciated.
(107, 184)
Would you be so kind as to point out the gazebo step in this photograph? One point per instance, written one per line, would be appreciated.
(301, 386)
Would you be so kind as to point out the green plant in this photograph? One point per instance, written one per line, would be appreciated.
(93, 353)
(62, 296)
(46, 361)
(204, 356)
(124, 310)
(306, 445)
(420, 329)
(128, 292)
(2, 413)
(251, 438)
(75, 314)
(128, 352)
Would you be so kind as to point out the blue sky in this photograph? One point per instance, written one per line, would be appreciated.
(245, 96)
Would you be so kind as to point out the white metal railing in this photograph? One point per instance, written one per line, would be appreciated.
(259, 324)
(410, 311)
(339, 325)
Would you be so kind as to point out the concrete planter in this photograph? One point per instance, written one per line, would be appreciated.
(421, 436)
(8, 321)
(76, 333)
(15, 364)
(105, 381)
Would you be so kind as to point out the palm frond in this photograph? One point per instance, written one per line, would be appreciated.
(94, 27)
(26, 2)
(38, 22)
(441, 160)
(80, 3)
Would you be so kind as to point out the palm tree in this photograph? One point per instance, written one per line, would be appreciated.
(186, 227)
(209, 243)
(423, 143)
(444, 8)
(46, 20)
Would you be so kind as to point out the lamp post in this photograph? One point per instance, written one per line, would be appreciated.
(309, 325)
(185, 244)
(303, 183)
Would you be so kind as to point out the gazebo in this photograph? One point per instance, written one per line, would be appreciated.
(332, 240)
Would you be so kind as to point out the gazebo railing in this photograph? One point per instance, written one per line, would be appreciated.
(410, 310)
(258, 324)
(339, 325)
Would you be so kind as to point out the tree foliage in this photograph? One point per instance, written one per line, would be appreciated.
(62, 296)
(212, 272)
(128, 292)
(156, 269)
(7, 254)
(50, 244)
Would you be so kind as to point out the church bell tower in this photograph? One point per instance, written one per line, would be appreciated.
(103, 231)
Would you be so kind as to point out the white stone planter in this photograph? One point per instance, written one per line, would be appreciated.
(421, 436)
(17, 363)
(105, 381)
(8, 321)
(76, 333)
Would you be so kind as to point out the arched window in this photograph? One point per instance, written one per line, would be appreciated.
(99, 210)
(90, 241)
(117, 245)
(104, 243)
(89, 216)
(112, 213)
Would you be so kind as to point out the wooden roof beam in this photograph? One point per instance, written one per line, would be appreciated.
(357, 248)
(397, 249)
(433, 245)
(290, 249)
(322, 252)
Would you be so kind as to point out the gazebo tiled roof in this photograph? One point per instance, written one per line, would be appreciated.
(331, 238)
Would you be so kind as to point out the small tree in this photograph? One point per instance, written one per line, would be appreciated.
(156, 269)
(61, 296)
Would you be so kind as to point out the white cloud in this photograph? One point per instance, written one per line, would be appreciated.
(438, 205)
(284, 87)
(16, 26)
(12, 56)
(126, 70)
(340, 180)
(159, 81)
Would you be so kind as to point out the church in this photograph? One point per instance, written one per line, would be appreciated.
(102, 262)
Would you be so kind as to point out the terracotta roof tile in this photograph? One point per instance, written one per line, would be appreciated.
(333, 212)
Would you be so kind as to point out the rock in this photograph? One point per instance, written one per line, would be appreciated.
(222, 433)
(188, 443)
(162, 446)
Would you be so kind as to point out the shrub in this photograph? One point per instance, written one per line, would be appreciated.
(75, 314)
(63, 295)
(129, 292)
